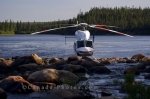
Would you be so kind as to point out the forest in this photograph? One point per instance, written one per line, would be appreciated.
(134, 21)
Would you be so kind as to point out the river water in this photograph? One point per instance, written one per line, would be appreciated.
(55, 45)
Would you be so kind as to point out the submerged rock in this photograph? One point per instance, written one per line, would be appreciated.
(3, 94)
(16, 84)
(135, 69)
(106, 93)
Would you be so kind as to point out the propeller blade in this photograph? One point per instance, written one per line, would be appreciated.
(53, 29)
(113, 31)
(105, 26)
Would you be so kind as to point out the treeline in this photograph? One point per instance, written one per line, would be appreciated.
(135, 21)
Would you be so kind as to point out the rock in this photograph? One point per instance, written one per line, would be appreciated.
(108, 61)
(54, 60)
(53, 76)
(38, 60)
(3, 94)
(75, 68)
(57, 63)
(16, 84)
(67, 77)
(46, 75)
(122, 60)
(70, 94)
(22, 60)
(146, 60)
(90, 63)
(137, 57)
(100, 70)
(132, 71)
(29, 67)
(74, 58)
(6, 63)
(135, 69)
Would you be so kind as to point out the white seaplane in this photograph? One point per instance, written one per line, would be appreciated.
(83, 46)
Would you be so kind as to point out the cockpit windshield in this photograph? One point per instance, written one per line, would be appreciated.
(89, 44)
(84, 44)
(80, 44)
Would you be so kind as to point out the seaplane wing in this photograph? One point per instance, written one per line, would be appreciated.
(53, 29)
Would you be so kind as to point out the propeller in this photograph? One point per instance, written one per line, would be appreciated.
(100, 27)
(109, 30)
(106, 26)
(53, 29)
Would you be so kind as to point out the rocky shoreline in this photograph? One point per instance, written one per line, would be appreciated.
(60, 77)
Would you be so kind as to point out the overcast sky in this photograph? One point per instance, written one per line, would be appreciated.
(49, 10)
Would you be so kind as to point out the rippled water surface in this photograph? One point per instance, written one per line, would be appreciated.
(54, 45)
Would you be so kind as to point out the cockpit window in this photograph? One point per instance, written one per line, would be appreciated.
(80, 44)
(89, 44)
(84, 44)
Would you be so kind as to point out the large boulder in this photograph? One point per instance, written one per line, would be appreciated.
(146, 60)
(53, 76)
(46, 75)
(67, 77)
(34, 58)
(22, 60)
(75, 68)
(73, 58)
(137, 57)
(16, 84)
(29, 67)
(57, 63)
(3, 94)
(100, 70)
